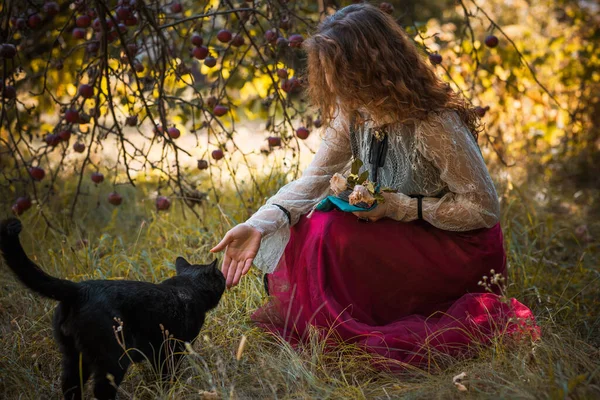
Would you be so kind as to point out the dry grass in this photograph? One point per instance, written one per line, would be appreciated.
(550, 271)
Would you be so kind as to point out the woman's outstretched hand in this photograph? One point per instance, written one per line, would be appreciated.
(241, 244)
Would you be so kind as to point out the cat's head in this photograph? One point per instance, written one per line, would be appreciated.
(207, 277)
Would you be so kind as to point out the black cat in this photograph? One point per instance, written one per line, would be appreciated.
(96, 320)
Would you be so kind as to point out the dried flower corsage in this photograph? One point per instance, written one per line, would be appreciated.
(356, 189)
(361, 195)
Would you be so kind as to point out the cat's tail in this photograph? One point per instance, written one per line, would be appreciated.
(26, 270)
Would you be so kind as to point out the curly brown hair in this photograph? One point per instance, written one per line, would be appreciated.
(372, 64)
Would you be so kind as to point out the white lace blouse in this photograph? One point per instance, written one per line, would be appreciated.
(437, 158)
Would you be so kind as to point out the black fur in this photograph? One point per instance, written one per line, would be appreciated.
(92, 314)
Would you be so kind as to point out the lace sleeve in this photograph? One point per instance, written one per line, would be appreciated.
(472, 201)
(299, 197)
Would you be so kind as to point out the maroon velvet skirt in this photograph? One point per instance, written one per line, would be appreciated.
(408, 292)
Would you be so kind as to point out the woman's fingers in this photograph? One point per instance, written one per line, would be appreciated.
(231, 273)
(247, 266)
(222, 244)
(238, 273)
(226, 265)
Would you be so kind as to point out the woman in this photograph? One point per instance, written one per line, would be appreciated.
(411, 279)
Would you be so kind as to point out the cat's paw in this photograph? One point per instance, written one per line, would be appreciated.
(11, 227)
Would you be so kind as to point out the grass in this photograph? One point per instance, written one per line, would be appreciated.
(551, 270)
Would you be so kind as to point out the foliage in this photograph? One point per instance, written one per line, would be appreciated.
(124, 98)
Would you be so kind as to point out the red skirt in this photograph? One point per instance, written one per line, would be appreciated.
(409, 292)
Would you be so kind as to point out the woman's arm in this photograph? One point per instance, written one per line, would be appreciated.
(298, 197)
(472, 202)
(263, 237)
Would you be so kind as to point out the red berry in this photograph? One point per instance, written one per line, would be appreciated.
(296, 40)
(237, 41)
(318, 123)
(302, 133)
(197, 40)
(224, 36)
(491, 41)
(435, 58)
(51, 8)
(92, 47)
(79, 147)
(83, 21)
(289, 85)
(286, 86)
(124, 13)
(271, 36)
(176, 7)
(21, 205)
(37, 173)
(86, 91)
(173, 132)
(220, 110)
(162, 203)
(97, 25)
(210, 62)
(274, 141)
(386, 8)
(282, 73)
(72, 116)
(79, 33)
(34, 21)
(52, 139)
(202, 164)
(200, 52)
(217, 154)
(480, 111)
(211, 101)
(131, 21)
(115, 198)
(65, 135)
(8, 50)
(97, 177)
(132, 120)
(21, 23)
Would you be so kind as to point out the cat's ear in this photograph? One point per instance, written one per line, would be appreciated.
(215, 263)
(180, 264)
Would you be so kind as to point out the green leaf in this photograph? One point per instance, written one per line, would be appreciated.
(356, 164)
(363, 177)
(352, 178)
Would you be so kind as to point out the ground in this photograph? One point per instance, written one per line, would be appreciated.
(552, 246)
